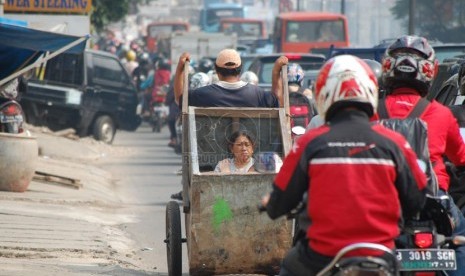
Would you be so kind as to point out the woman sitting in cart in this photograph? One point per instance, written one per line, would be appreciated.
(241, 146)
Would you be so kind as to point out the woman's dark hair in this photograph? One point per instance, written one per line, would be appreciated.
(232, 138)
(228, 71)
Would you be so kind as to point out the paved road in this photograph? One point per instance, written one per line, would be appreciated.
(147, 180)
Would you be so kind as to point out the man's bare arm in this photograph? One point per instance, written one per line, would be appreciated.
(178, 84)
(276, 81)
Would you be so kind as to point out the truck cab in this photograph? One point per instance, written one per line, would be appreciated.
(90, 92)
(157, 31)
(212, 13)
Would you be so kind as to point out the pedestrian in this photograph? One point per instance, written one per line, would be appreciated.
(172, 116)
(409, 68)
(360, 178)
(230, 91)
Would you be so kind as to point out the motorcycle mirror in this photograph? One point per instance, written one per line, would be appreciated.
(268, 162)
(298, 130)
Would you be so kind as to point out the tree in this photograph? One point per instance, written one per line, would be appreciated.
(440, 19)
(108, 11)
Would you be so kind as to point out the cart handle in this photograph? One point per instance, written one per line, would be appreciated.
(185, 88)
(287, 110)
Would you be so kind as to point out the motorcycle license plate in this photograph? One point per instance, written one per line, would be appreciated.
(11, 119)
(426, 259)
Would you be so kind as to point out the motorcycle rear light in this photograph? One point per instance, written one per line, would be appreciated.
(425, 273)
(11, 109)
(423, 240)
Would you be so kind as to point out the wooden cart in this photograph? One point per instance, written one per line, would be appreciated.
(225, 233)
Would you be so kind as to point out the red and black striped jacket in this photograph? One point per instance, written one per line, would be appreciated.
(360, 178)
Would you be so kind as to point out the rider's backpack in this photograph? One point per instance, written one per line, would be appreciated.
(300, 109)
(415, 132)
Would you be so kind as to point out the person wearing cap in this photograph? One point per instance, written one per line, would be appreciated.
(230, 91)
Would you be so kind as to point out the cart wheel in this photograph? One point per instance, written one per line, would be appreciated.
(173, 239)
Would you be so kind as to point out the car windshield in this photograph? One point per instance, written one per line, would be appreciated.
(443, 53)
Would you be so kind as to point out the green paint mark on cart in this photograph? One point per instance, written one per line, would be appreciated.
(221, 213)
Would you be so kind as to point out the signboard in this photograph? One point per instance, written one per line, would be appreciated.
(51, 6)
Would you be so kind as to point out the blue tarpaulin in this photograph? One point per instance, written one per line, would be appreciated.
(21, 46)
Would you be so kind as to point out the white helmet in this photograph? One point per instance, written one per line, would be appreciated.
(249, 77)
(199, 79)
(346, 81)
(213, 76)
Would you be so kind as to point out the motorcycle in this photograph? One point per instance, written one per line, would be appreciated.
(366, 264)
(158, 112)
(11, 116)
(426, 246)
(371, 260)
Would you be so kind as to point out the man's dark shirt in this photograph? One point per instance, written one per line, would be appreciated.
(238, 94)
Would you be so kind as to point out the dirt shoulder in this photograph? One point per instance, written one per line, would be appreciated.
(63, 229)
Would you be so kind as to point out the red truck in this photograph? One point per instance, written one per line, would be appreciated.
(157, 31)
(301, 32)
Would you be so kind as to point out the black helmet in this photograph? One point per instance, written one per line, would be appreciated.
(205, 65)
(409, 62)
(164, 63)
(461, 78)
(144, 59)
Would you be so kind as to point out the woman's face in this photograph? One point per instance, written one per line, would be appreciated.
(242, 149)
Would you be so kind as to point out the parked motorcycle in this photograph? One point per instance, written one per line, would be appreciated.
(11, 116)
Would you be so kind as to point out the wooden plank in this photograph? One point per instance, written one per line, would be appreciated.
(57, 179)
(237, 112)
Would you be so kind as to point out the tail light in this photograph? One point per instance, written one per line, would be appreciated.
(425, 273)
(11, 109)
(423, 240)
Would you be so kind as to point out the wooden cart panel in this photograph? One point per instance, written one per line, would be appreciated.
(227, 234)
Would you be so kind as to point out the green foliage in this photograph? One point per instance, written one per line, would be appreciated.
(109, 11)
(441, 19)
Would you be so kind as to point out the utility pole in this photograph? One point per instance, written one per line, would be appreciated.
(343, 6)
(411, 17)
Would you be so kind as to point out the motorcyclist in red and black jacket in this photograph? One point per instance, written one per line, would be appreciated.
(361, 178)
(409, 67)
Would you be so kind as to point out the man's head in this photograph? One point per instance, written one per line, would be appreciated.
(409, 62)
(228, 63)
(346, 81)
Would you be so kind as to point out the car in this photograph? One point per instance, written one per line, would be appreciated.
(449, 50)
(263, 65)
(363, 53)
(246, 60)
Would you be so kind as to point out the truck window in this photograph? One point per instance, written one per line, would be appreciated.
(243, 29)
(108, 71)
(301, 32)
(308, 31)
(66, 69)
